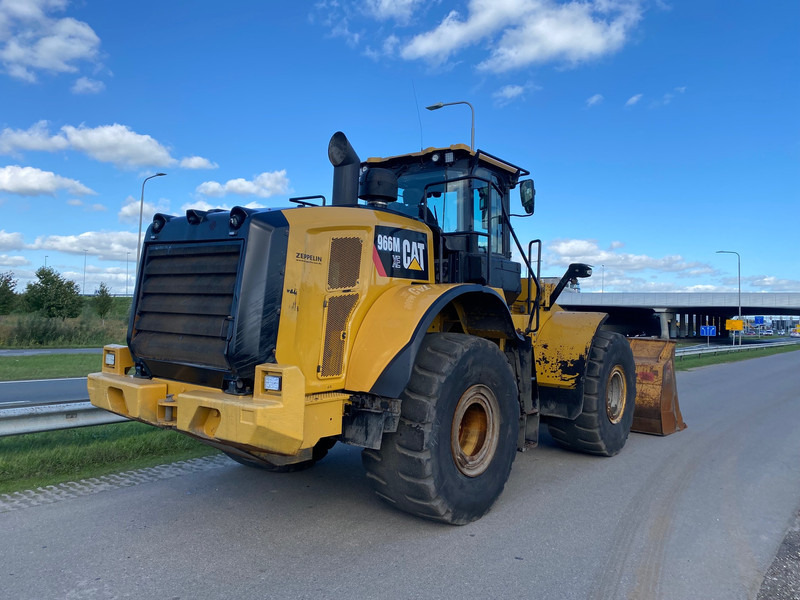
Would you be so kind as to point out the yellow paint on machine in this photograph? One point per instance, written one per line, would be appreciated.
(283, 421)
(326, 296)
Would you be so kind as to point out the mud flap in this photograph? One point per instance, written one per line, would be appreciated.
(657, 410)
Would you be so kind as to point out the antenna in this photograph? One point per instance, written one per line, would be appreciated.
(419, 118)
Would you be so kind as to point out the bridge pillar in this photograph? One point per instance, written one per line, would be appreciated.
(664, 318)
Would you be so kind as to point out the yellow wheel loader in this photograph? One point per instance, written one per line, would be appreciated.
(393, 319)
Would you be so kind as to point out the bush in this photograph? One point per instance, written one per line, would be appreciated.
(53, 296)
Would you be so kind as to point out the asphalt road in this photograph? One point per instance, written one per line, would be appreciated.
(43, 391)
(699, 514)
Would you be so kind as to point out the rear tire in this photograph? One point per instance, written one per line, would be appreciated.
(452, 452)
(609, 395)
(261, 462)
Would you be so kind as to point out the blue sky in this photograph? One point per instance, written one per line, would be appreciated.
(657, 131)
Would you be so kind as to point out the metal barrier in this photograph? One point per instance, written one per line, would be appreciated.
(695, 351)
(17, 420)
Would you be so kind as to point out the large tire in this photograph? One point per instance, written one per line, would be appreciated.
(451, 455)
(609, 396)
(262, 462)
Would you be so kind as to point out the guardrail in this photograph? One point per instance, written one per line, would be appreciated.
(694, 351)
(16, 420)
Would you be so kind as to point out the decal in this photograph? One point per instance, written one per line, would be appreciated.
(308, 258)
(400, 253)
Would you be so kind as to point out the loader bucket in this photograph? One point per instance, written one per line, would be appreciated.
(657, 409)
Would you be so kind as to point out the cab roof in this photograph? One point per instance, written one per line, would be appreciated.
(459, 150)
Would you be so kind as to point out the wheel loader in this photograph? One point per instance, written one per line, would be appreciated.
(394, 318)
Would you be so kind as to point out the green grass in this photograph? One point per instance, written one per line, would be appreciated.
(48, 366)
(703, 360)
(40, 459)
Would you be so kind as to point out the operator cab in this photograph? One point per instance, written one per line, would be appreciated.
(463, 196)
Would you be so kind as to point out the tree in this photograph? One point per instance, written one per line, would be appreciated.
(7, 296)
(53, 295)
(102, 301)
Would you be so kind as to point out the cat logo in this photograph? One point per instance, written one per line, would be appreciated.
(401, 253)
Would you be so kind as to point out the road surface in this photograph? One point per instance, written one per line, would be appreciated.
(699, 514)
(43, 391)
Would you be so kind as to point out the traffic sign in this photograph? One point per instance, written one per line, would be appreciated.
(734, 325)
(758, 320)
(708, 330)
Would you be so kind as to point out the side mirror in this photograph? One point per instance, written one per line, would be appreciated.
(527, 193)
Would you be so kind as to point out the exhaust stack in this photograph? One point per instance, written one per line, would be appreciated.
(346, 166)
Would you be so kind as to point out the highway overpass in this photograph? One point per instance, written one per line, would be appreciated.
(678, 314)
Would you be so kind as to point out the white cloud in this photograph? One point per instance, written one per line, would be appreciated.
(37, 137)
(197, 162)
(30, 181)
(596, 99)
(13, 261)
(399, 10)
(633, 99)
(119, 145)
(563, 252)
(129, 213)
(203, 205)
(508, 94)
(264, 185)
(84, 85)
(11, 241)
(32, 41)
(531, 31)
(75, 202)
(105, 245)
(116, 144)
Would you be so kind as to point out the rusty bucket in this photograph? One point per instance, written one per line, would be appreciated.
(657, 411)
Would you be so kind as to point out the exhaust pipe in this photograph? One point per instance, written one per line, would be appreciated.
(346, 165)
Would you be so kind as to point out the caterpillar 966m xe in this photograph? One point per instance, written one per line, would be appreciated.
(393, 319)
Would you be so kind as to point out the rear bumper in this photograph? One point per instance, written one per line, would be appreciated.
(281, 422)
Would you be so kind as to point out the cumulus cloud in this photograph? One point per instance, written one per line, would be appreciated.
(84, 85)
(30, 181)
(13, 261)
(11, 241)
(197, 162)
(129, 213)
(596, 99)
(633, 100)
(530, 31)
(33, 41)
(117, 144)
(263, 185)
(399, 10)
(105, 245)
(563, 252)
(203, 205)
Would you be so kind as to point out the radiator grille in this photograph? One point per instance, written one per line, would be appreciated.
(345, 263)
(339, 310)
(185, 304)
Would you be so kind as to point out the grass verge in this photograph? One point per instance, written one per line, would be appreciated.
(40, 459)
(703, 360)
(48, 366)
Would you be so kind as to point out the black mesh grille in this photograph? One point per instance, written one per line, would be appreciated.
(345, 263)
(339, 310)
(185, 304)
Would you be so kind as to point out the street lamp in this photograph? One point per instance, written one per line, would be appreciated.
(127, 255)
(439, 105)
(141, 209)
(603, 280)
(739, 269)
(45, 261)
(84, 271)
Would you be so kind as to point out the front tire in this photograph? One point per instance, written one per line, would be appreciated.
(609, 396)
(452, 452)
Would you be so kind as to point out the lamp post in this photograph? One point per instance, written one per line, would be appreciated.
(739, 271)
(85, 252)
(127, 255)
(603, 280)
(439, 105)
(141, 209)
(45, 261)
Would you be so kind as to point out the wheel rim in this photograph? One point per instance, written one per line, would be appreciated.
(616, 394)
(475, 430)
